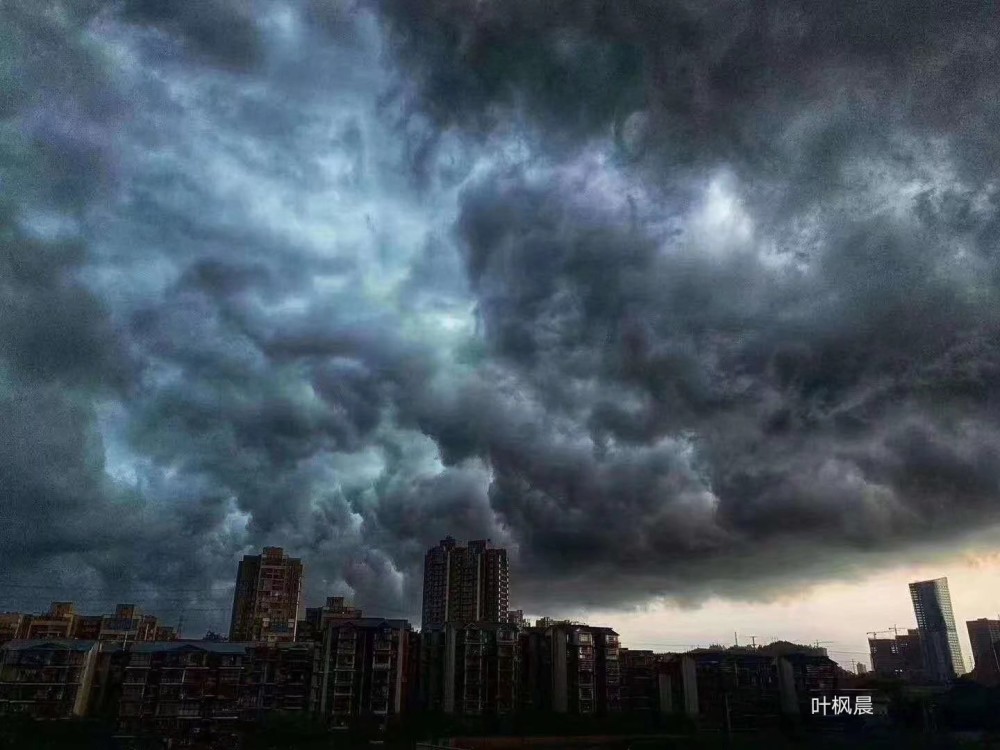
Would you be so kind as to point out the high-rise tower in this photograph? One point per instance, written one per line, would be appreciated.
(465, 584)
(267, 598)
(938, 634)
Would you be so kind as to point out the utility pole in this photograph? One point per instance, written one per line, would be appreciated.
(753, 641)
(736, 638)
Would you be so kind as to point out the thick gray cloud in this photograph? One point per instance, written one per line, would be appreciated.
(745, 331)
(671, 299)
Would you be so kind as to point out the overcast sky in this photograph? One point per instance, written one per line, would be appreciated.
(688, 304)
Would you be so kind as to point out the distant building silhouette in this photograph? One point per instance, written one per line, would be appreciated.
(465, 584)
(267, 598)
(742, 688)
(314, 625)
(63, 622)
(938, 634)
(985, 637)
(900, 658)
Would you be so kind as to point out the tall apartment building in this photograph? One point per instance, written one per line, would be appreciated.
(366, 670)
(938, 634)
(985, 637)
(465, 584)
(266, 602)
(899, 658)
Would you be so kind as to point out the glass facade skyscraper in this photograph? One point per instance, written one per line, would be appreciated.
(938, 634)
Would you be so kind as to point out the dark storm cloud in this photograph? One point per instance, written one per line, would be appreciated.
(673, 299)
(223, 31)
(74, 526)
(786, 93)
(728, 408)
(201, 390)
(674, 407)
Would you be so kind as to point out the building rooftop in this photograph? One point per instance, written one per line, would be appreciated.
(215, 647)
(368, 622)
(53, 644)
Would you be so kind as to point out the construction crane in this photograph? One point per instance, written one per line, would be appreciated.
(875, 633)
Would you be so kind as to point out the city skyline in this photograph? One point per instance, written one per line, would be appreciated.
(805, 617)
(693, 309)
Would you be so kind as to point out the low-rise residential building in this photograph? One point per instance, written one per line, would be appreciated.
(570, 668)
(47, 679)
(471, 669)
(63, 622)
(742, 688)
(281, 677)
(314, 625)
(366, 670)
(57, 623)
(172, 684)
(640, 683)
(13, 625)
